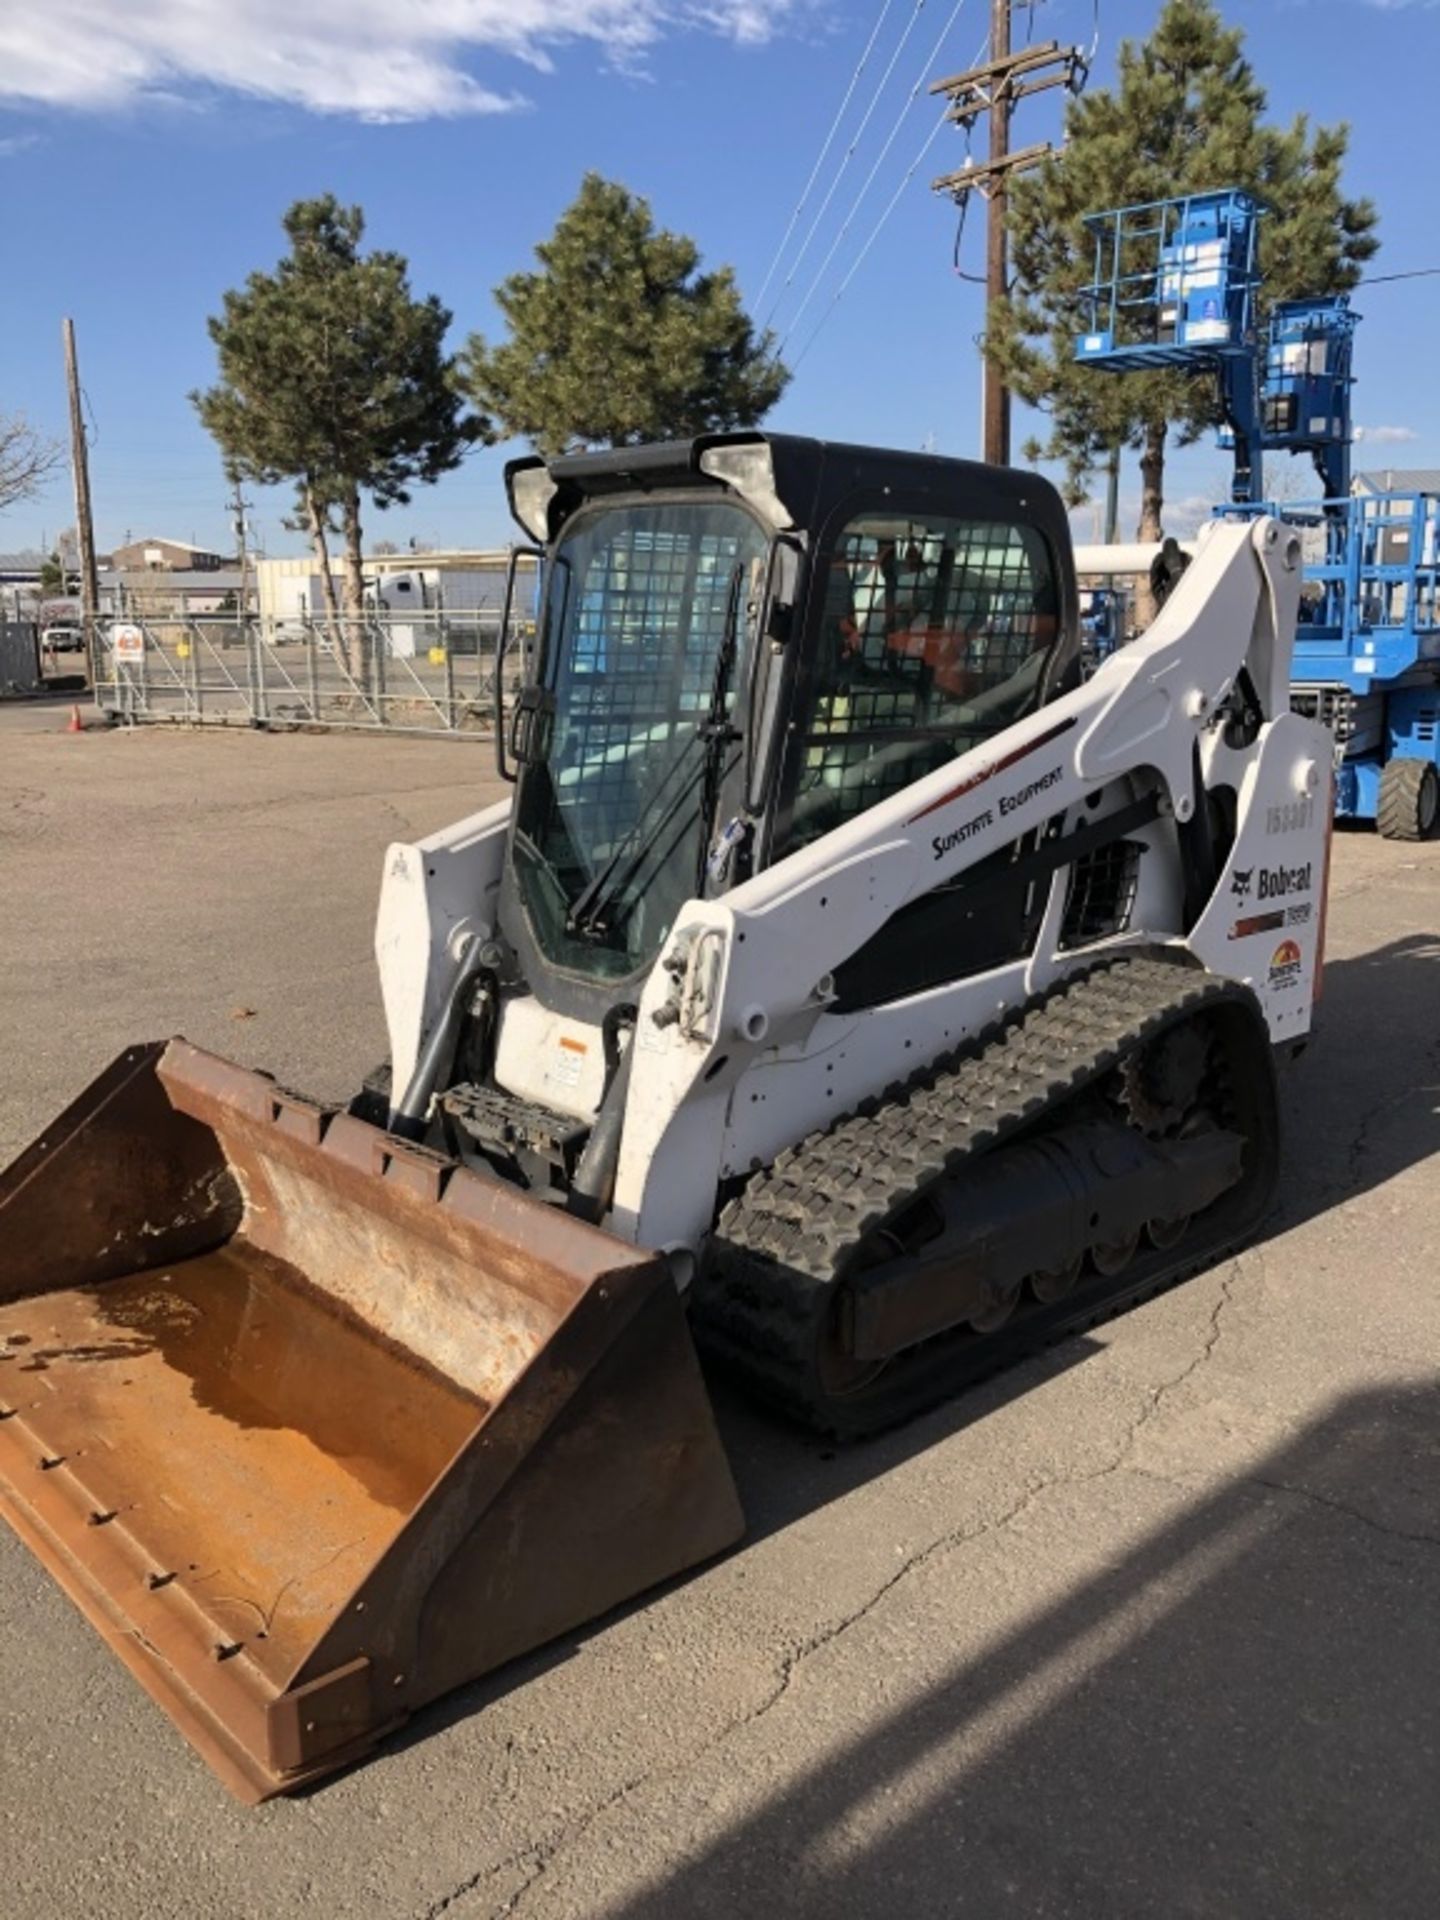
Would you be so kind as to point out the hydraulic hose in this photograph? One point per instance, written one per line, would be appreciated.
(594, 1182)
(1197, 848)
(408, 1117)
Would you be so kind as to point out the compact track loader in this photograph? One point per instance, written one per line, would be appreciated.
(846, 985)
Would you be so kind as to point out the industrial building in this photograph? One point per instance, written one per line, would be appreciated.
(156, 555)
(463, 588)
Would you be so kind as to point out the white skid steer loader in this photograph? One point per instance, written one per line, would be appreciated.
(845, 983)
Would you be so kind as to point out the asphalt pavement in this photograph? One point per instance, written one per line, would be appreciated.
(1148, 1627)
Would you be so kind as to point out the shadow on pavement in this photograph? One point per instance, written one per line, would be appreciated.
(1376, 1059)
(1379, 1050)
(1376, 1051)
(1239, 1719)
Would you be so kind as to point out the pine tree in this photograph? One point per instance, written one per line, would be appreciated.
(617, 338)
(1186, 114)
(333, 375)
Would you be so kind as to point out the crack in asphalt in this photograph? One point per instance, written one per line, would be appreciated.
(1360, 1145)
(541, 1854)
(1315, 1498)
(1309, 1495)
(388, 805)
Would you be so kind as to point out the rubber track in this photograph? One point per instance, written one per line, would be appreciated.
(788, 1237)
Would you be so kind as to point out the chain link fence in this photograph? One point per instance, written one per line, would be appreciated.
(427, 672)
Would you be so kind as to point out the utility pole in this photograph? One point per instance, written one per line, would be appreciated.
(239, 508)
(1112, 495)
(84, 526)
(995, 422)
(249, 633)
(995, 89)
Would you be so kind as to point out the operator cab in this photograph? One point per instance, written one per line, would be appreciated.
(741, 643)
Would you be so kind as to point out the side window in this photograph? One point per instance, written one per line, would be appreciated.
(935, 634)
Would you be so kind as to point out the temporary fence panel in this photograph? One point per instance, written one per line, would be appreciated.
(19, 657)
(422, 672)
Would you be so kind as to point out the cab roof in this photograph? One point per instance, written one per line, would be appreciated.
(812, 480)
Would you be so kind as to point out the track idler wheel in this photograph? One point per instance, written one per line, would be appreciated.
(1054, 1283)
(1164, 1235)
(998, 1309)
(1112, 1257)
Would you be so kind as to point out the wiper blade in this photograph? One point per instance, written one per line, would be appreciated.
(586, 916)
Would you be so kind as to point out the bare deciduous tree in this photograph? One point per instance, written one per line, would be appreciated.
(27, 459)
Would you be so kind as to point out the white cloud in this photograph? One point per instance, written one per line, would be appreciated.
(14, 143)
(1186, 516)
(1385, 436)
(373, 59)
(1183, 518)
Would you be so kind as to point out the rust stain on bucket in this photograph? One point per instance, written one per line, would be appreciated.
(314, 1425)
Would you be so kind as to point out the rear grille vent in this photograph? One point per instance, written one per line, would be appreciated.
(1101, 898)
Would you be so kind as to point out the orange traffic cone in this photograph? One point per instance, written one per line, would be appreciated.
(77, 725)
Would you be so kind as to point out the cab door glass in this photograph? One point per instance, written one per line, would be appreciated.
(935, 634)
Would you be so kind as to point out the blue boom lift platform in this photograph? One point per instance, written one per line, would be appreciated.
(1176, 284)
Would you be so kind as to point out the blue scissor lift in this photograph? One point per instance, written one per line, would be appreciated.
(1104, 616)
(1175, 284)
(1174, 287)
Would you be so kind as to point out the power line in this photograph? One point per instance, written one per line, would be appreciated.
(880, 159)
(1414, 273)
(848, 156)
(1030, 6)
(826, 145)
(873, 236)
(879, 225)
(957, 252)
(992, 90)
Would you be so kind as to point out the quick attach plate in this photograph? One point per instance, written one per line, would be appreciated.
(504, 1124)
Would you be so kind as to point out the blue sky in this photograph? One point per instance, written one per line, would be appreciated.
(147, 151)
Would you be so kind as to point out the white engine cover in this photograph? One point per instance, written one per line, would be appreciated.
(548, 1058)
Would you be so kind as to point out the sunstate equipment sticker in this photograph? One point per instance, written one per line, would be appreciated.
(1285, 965)
(978, 778)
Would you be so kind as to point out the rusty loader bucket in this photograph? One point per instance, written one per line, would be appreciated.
(315, 1425)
